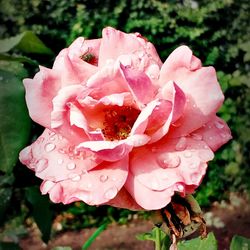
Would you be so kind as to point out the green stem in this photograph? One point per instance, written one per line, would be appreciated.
(158, 239)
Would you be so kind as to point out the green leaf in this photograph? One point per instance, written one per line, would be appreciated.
(5, 194)
(94, 236)
(9, 246)
(208, 243)
(240, 243)
(18, 58)
(27, 42)
(15, 121)
(41, 211)
(15, 68)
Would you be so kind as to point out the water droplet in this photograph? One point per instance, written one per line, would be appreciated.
(209, 126)
(223, 135)
(176, 124)
(41, 165)
(40, 140)
(71, 166)
(154, 149)
(194, 178)
(194, 105)
(60, 161)
(193, 165)
(49, 147)
(76, 177)
(182, 144)
(206, 146)
(62, 151)
(197, 137)
(180, 187)
(1, 78)
(187, 154)
(168, 160)
(60, 137)
(111, 193)
(103, 178)
(52, 138)
(219, 125)
(210, 138)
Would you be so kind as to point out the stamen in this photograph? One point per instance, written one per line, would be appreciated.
(118, 122)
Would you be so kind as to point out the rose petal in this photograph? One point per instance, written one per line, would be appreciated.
(95, 187)
(114, 150)
(177, 98)
(124, 200)
(115, 39)
(53, 158)
(215, 133)
(200, 85)
(169, 162)
(72, 71)
(147, 198)
(39, 94)
(139, 84)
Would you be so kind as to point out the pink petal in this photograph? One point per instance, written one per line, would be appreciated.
(82, 47)
(114, 150)
(200, 85)
(39, 94)
(113, 41)
(215, 133)
(63, 116)
(167, 166)
(94, 187)
(139, 84)
(146, 198)
(107, 81)
(141, 122)
(72, 71)
(53, 158)
(176, 96)
(124, 200)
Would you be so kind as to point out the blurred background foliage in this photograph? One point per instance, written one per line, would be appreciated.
(217, 31)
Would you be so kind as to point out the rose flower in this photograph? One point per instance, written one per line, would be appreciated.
(121, 127)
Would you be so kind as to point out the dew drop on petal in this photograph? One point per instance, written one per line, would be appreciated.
(60, 161)
(187, 154)
(180, 187)
(181, 144)
(71, 166)
(219, 125)
(103, 178)
(193, 165)
(76, 177)
(194, 178)
(168, 160)
(196, 137)
(41, 165)
(49, 147)
(111, 193)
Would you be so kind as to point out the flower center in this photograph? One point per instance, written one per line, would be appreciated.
(118, 122)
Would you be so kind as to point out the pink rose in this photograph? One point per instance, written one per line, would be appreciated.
(121, 127)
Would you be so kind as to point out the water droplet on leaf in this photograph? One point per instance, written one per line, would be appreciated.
(103, 178)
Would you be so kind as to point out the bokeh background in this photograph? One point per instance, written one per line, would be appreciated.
(217, 31)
